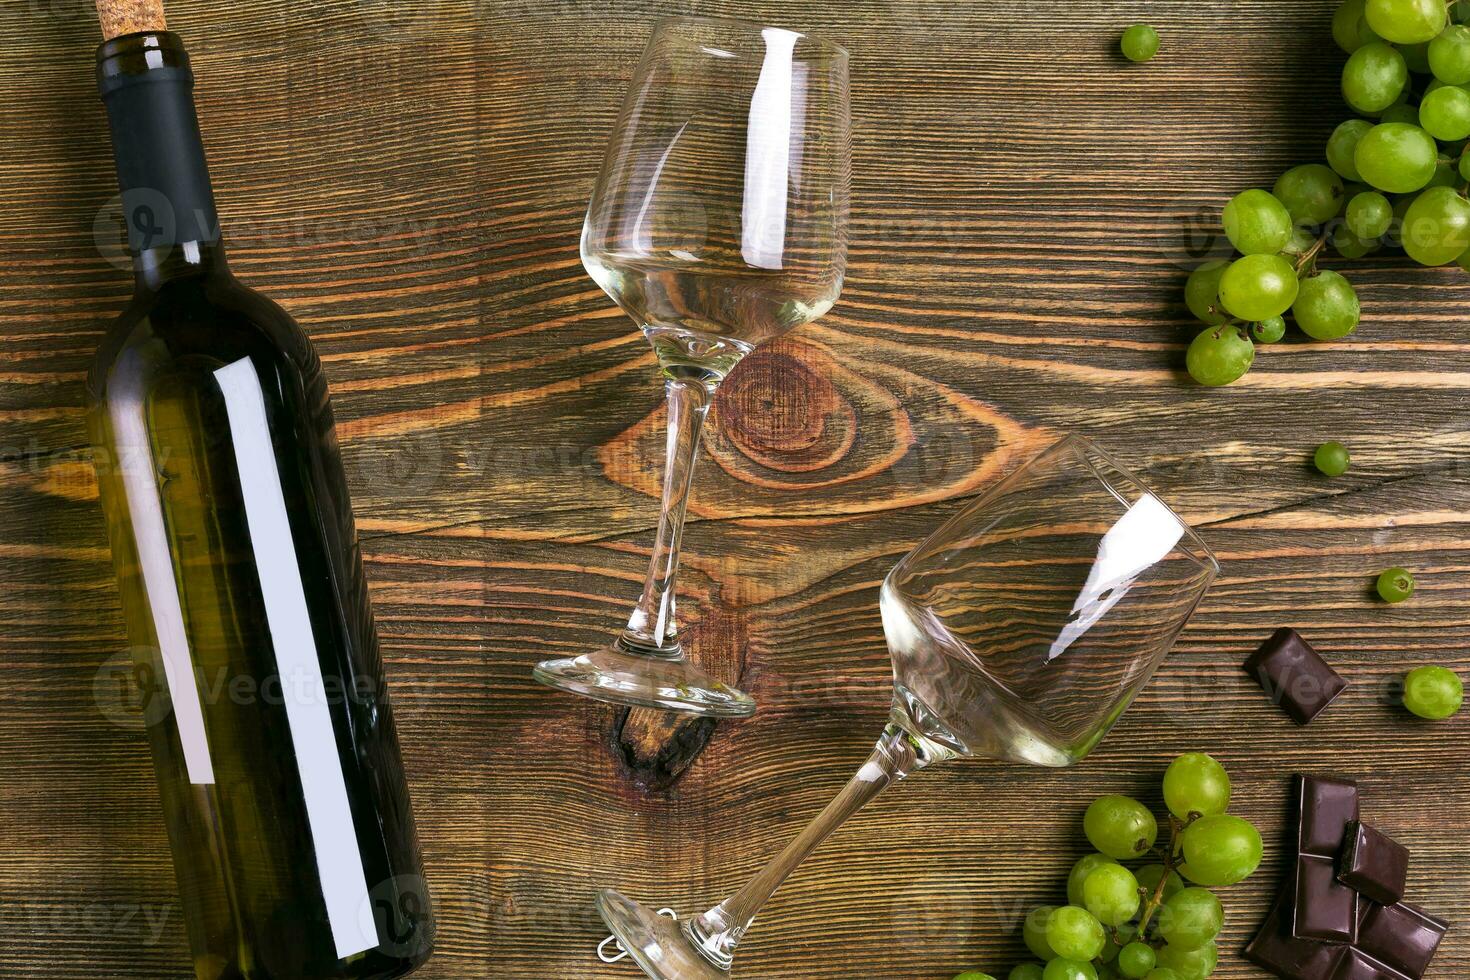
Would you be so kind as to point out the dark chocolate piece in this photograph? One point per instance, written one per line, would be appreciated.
(1278, 952)
(1295, 676)
(1358, 966)
(1401, 937)
(1375, 864)
(1324, 909)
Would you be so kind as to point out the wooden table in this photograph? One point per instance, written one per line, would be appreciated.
(409, 180)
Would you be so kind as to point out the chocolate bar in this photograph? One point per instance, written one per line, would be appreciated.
(1324, 908)
(1374, 864)
(1278, 952)
(1295, 676)
(1401, 937)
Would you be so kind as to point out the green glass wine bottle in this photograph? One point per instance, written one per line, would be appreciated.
(242, 583)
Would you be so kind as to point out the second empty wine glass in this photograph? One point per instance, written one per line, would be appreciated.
(1019, 631)
(719, 222)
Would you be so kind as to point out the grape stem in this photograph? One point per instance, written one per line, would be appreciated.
(1173, 858)
(1306, 263)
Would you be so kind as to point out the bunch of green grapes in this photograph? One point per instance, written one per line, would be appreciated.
(1157, 921)
(1397, 177)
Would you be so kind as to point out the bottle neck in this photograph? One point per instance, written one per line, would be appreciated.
(167, 201)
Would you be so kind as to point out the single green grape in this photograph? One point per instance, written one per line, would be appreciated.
(1257, 287)
(1075, 934)
(1136, 959)
(1084, 867)
(1400, 112)
(1395, 584)
(1369, 214)
(1449, 55)
(1065, 969)
(1374, 77)
(1219, 356)
(1202, 291)
(1436, 227)
(1026, 971)
(1350, 245)
(1312, 192)
(1435, 693)
(1327, 306)
(1407, 21)
(1257, 223)
(1190, 964)
(1350, 28)
(1343, 143)
(1140, 42)
(1196, 783)
(1396, 157)
(1191, 919)
(1111, 895)
(1220, 850)
(1033, 931)
(1269, 330)
(1464, 166)
(1394, 235)
(1148, 879)
(1445, 113)
(1120, 827)
(1331, 459)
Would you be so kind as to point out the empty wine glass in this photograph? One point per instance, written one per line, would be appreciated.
(1019, 631)
(719, 221)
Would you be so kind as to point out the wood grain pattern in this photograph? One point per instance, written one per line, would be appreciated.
(409, 180)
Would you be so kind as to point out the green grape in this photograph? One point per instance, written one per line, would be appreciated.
(1396, 157)
(1191, 919)
(1202, 291)
(1312, 192)
(1368, 214)
(1119, 827)
(1444, 174)
(1111, 894)
(1075, 933)
(1449, 55)
(1257, 223)
(1464, 261)
(1350, 28)
(1395, 584)
(1269, 330)
(1078, 877)
(1407, 21)
(1196, 783)
(1327, 306)
(1219, 356)
(1350, 245)
(1220, 850)
(1191, 964)
(1148, 879)
(1120, 936)
(1445, 113)
(1033, 931)
(1136, 959)
(1343, 143)
(1400, 112)
(1436, 228)
(1140, 42)
(1257, 287)
(1416, 56)
(1464, 166)
(1394, 235)
(1374, 77)
(1161, 973)
(1434, 693)
(1331, 459)
(1026, 971)
(1065, 969)
(974, 975)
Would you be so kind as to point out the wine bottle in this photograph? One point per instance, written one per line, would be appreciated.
(242, 583)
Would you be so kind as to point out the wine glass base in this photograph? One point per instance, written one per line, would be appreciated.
(614, 675)
(655, 943)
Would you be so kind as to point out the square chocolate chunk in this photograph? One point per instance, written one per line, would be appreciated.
(1374, 864)
(1326, 909)
(1281, 954)
(1295, 676)
(1401, 937)
(1325, 806)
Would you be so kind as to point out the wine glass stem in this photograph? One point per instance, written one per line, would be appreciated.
(718, 931)
(652, 628)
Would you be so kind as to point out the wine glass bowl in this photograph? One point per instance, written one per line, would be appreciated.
(1020, 630)
(718, 222)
